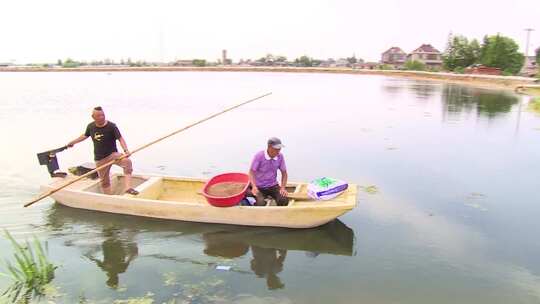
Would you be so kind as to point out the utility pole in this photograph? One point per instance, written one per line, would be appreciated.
(161, 45)
(523, 69)
(526, 62)
(528, 30)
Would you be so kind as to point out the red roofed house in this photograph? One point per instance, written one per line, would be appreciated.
(394, 56)
(427, 54)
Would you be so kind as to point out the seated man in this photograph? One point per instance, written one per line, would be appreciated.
(263, 174)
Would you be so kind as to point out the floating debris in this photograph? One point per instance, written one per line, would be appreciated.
(475, 195)
(372, 189)
(476, 206)
(146, 299)
(215, 282)
(211, 290)
(121, 288)
(170, 279)
(52, 292)
(223, 267)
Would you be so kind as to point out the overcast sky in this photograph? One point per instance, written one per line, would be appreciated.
(40, 31)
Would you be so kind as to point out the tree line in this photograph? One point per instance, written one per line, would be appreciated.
(495, 51)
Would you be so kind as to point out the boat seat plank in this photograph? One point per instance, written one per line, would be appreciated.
(150, 189)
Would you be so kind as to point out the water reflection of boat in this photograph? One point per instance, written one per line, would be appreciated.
(117, 255)
(267, 263)
(117, 246)
(333, 238)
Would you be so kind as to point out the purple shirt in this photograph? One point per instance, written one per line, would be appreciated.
(265, 169)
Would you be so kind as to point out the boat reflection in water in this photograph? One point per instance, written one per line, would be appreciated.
(117, 254)
(266, 263)
(116, 236)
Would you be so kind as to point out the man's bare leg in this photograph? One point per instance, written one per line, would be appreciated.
(105, 181)
(127, 182)
(107, 190)
(128, 169)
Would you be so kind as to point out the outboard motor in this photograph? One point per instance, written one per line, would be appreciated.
(49, 159)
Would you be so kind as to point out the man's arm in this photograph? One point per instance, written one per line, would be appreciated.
(284, 177)
(76, 141)
(124, 145)
(252, 168)
(254, 188)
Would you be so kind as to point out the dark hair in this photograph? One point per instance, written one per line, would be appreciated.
(98, 108)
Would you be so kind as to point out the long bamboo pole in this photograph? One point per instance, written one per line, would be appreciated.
(48, 193)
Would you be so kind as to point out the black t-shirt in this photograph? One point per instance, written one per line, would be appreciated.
(104, 139)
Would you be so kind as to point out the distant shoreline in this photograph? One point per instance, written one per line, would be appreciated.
(504, 82)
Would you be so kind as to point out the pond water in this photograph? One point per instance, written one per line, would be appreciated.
(447, 207)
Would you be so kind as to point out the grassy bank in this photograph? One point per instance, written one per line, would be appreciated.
(533, 90)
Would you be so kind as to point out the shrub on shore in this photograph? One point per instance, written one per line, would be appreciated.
(414, 65)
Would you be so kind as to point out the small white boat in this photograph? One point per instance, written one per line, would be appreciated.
(178, 198)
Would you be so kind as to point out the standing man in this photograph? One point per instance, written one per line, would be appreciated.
(263, 174)
(104, 135)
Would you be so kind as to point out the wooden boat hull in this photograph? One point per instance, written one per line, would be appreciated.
(177, 198)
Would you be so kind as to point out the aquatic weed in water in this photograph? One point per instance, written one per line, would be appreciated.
(31, 272)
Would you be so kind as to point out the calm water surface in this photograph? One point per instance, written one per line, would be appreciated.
(454, 218)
